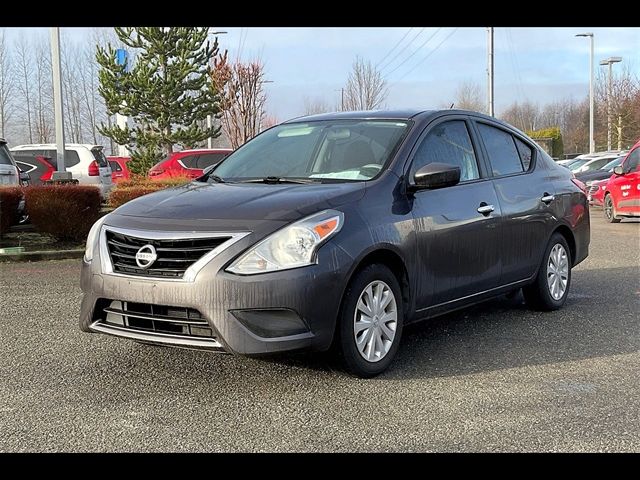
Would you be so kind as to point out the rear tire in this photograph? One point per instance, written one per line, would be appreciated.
(550, 289)
(610, 210)
(370, 321)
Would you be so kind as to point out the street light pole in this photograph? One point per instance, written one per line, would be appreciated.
(609, 61)
(490, 101)
(210, 117)
(57, 101)
(592, 142)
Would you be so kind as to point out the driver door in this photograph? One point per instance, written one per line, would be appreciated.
(457, 227)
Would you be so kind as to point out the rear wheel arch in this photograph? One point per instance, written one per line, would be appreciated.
(566, 232)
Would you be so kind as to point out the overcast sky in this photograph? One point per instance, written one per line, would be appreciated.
(426, 65)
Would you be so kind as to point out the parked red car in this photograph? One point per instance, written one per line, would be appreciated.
(622, 191)
(188, 163)
(596, 192)
(119, 170)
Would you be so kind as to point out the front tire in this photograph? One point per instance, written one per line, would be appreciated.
(610, 210)
(551, 287)
(370, 321)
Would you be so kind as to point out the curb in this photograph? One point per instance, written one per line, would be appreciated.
(42, 255)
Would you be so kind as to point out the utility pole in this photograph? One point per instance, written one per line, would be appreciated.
(61, 172)
(609, 61)
(342, 99)
(490, 101)
(592, 141)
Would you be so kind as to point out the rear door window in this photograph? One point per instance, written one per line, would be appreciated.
(207, 159)
(71, 157)
(501, 148)
(115, 166)
(190, 161)
(98, 154)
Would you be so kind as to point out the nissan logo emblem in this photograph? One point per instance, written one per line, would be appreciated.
(146, 255)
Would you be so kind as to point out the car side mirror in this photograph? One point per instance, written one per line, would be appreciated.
(436, 175)
(24, 176)
(618, 170)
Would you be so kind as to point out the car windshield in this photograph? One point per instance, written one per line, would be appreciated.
(612, 164)
(331, 150)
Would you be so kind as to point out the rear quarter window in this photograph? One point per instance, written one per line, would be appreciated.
(98, 154)
(71, 158)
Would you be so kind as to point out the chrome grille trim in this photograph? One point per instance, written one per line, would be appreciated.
(159, 324)
(190, 273)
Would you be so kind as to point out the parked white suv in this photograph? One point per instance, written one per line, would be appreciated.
(86, 162)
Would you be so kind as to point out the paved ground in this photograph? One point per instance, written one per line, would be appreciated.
(497, 377)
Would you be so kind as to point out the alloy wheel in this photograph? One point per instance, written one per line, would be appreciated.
(557, 271)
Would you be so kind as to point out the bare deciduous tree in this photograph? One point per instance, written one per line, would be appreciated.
(24, 76)
(7, 85)
(43, 94)
(524, 116)
(243, 98)
(315, 105)
(366, 88)
(469, 97)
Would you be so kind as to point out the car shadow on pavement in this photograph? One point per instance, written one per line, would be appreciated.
(504, 333)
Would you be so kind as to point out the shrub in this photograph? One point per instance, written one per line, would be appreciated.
(138, 185)
(553, 133)
(66, 212)
(9, 199)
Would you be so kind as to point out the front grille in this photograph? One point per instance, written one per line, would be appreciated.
(175, 256)
(154, 319)
(593, 189)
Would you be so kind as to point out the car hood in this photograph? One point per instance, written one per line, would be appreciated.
(597, 175)
(242, 201)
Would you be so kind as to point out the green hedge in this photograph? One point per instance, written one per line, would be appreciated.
(557, 148)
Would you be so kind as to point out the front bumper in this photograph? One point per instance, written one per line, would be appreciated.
(226, 301)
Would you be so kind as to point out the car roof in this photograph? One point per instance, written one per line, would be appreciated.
(2, 140)
(34, 146)
(205, 150)
(404, 114)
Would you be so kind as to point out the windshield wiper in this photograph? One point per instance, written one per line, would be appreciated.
(215, 178)
(274, 180)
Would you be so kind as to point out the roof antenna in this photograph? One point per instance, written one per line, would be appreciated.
(451, 106)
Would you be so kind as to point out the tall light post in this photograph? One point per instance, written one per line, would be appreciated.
(609, 61)
(209, 117)
(60, 172)
(490, 100)
(592, 142)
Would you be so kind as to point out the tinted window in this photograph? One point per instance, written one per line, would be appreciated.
(115, 166)
(5, 156)
(633, 160)
(98, 154)
(448, 142)
(207, 159)
(70, 157)
(189, 161)
(525, 152)
(501, 148)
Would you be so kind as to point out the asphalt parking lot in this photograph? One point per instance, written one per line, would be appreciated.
(496, 377)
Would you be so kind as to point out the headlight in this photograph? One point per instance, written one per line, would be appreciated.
(92, 239)
(292, 246)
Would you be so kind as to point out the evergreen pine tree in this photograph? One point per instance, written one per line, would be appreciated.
(167, 93)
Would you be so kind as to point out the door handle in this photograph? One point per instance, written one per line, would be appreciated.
(546, 198)
(485, 209)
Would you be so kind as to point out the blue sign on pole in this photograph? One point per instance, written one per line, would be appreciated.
(121, 57)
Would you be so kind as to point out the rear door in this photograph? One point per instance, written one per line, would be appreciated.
(103, 166)
(525, 195)
(457, 227)
(625, 189)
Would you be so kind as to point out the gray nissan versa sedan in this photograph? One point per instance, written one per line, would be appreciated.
(335, 231)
